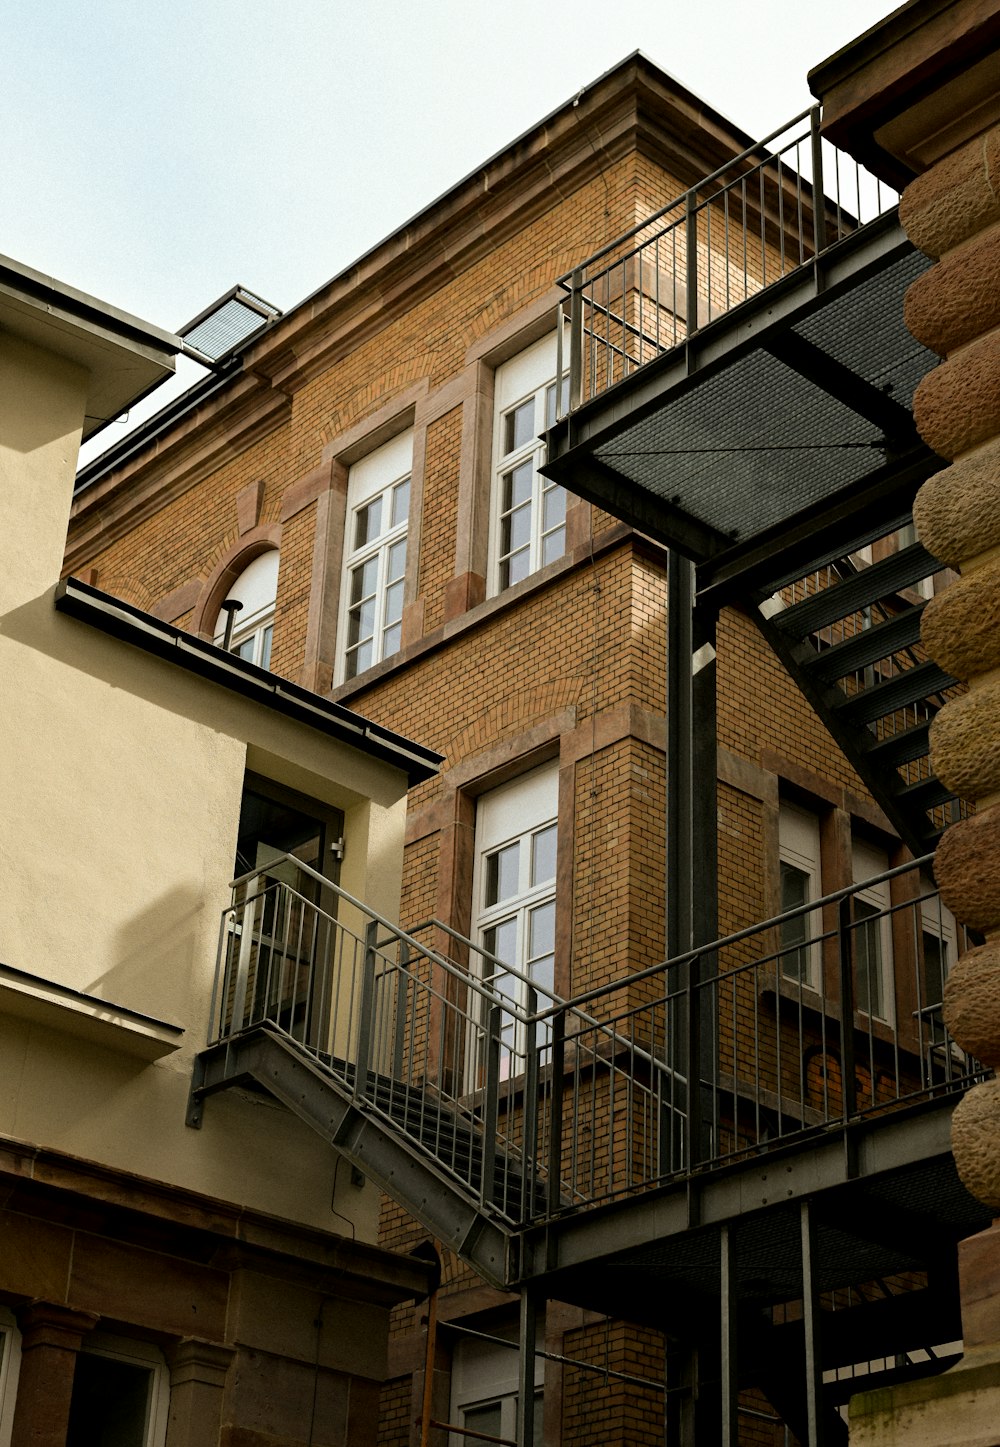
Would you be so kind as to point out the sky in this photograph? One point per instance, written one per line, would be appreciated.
(156, 152)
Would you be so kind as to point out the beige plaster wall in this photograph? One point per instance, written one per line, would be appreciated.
(121, 777)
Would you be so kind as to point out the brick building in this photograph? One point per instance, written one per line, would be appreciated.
(362, 476)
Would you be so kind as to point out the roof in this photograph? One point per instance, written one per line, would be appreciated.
(452, 230)
(132, 625)
(124, 356)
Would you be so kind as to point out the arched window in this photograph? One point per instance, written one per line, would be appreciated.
(255, 590)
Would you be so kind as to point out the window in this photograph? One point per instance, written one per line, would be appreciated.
(255, 590)
(10, 1363)
(120, 1395)
(378, 509)
(938, 945)
(528, 515)
(484, 1391)
(798, 845)
(514, 885)
(872, 936)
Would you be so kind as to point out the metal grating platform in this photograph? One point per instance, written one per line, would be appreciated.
(779, 406)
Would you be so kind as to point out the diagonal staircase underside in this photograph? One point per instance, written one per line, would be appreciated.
(464, 1189)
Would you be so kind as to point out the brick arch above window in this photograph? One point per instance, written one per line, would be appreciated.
(263, 539)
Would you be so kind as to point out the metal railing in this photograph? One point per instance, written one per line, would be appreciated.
(453, 1055)
(532, 1105)
(822, 1015)
(762, 215)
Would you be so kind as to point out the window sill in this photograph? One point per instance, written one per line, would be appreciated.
(99, 1022)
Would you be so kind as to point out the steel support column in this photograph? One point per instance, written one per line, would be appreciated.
(691, 848)
(527, 1340)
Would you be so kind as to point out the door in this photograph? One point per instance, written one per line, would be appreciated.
(287, 855)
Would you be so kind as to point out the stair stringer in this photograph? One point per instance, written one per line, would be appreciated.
(263, 1057)
(855, 743)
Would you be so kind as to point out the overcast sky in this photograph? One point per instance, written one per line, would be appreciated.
(155, 152)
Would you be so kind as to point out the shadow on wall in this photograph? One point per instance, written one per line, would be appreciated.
(159, 955)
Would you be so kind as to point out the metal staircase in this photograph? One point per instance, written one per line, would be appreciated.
(395, 1053)
(848, 631)
(553, 1146)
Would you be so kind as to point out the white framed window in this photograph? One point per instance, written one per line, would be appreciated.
(514, 891)
(799, 865)
(528, 512)
(121, 1394)
(938, 944)
(256, 590)
(378, 510)
(484, 1391)
(873, 994)
(10, 1366)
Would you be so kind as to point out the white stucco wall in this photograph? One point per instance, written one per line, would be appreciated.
(121, 777)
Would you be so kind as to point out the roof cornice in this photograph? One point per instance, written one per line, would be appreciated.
(635, 105)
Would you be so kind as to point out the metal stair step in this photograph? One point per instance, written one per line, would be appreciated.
(829, 605)
(867, 646)
(910, 686)
(925, 793)
(900, 748)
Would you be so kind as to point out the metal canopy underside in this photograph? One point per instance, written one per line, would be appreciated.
(866, 1229)
(783, 404)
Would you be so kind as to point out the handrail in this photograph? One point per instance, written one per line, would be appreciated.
(758, 217)
(750, 153)
(395, 930)
(713, 946)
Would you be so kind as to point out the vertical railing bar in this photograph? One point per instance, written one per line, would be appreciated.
(560, 328)
(845, 944)
(491, 1103)
(529, 1137)
(576, 340)
(763, 227)
(781, 218)
(363, 1051)
(402, 974)
(691, 262)
(819, 190)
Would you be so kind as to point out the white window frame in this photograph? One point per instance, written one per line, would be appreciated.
(799, 848)
(937, 922)
(527, 381)
(383, 473)
(867, 862)
(253, 626)
(10, 1367)
(484, 1374)
(519, 813)
(139, 1354)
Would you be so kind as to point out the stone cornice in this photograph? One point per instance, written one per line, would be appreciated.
(633, 107)
(191, 450)
(39, 1182)
(914, 86)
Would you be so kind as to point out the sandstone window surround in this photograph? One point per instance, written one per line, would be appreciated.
(486, 396)
(800, 873)
(326, 487)
(527, 511)
(514, 890)
(121, 1392)
(374, 574)
(10, 1363)
(256, 590)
